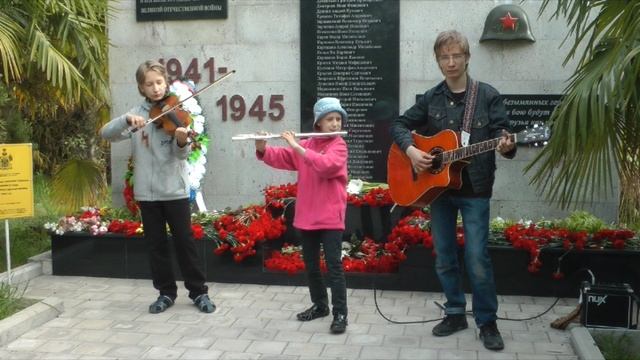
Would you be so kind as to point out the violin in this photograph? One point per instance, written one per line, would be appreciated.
(168, 115)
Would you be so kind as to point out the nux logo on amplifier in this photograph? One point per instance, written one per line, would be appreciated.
(608, 305)
(597, 299)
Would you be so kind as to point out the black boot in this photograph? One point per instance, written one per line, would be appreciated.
(490, 336)
(339, 324)
(450, 325)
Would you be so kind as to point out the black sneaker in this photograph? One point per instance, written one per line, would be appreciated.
(339, 324)
(450, 324)
(490, 336)
(313, 312)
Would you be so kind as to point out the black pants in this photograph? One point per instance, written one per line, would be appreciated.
(331, 241)
(155, 217)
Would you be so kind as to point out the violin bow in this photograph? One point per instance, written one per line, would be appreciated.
(131, 129)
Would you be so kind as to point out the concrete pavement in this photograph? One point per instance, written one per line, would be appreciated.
(107, 318)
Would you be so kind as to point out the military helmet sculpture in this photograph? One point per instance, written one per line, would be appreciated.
(507, 22)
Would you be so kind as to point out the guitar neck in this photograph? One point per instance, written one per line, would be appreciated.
(473, 149)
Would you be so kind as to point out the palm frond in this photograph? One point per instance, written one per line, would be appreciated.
(59, 70)
(78, 183)
(595, 128)
(10, 49)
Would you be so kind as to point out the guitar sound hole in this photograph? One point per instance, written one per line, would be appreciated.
(436, 163)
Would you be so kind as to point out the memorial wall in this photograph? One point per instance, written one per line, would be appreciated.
(375, 55)
(349, 50)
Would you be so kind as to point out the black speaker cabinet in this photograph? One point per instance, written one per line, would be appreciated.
(608, 305)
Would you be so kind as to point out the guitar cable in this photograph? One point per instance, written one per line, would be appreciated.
(375, 300)
(555, 302)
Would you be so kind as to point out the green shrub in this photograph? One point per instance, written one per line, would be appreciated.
(615, 347)
(11, 300)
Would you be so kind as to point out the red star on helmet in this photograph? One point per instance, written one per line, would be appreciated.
(509, 22)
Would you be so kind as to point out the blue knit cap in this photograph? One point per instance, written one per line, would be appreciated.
(325, 106)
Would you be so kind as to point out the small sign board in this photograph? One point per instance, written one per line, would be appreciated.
(16, 181)
(160, 10)
(525, 110)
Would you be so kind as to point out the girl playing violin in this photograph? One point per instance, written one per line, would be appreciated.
(161, 188)
(321, 203)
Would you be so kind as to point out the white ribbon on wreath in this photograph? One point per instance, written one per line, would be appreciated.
(196, 167)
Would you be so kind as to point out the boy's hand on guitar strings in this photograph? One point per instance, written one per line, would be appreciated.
(420, 160)
(506, 144)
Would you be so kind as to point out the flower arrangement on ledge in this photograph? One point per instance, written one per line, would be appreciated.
(577, 232)
(359, 193)
(240, 231)
(236, 231)
(96, 221)
(279, 196)
(357, 256)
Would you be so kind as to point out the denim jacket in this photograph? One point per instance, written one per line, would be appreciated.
(437, 110)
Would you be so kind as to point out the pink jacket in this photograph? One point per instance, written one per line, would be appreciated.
(322, 180)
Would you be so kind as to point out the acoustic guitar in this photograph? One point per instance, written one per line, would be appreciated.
(408, 188)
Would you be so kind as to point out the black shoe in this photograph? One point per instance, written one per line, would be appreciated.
(313, 312)
(339, 324)
(490, 336)
(450, 325)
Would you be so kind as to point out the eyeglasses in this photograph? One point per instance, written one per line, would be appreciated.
(455, 57)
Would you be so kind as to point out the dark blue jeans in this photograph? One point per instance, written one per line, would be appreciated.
(475, 220)
(331, 241)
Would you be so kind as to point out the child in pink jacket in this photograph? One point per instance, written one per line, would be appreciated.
(320, 207)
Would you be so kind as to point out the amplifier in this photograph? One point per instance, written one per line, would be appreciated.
(608, 305)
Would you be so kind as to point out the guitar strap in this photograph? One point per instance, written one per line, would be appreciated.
(469, 109)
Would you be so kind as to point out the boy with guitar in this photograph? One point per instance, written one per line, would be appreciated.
(473, 111)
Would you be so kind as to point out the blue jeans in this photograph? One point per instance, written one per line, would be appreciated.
(475, 220)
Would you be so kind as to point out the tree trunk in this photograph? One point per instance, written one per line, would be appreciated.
(629, 207)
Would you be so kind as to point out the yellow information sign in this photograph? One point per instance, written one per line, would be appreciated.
(16, 181)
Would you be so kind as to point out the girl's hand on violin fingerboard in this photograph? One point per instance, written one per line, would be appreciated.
(181, 135)
(135, 121)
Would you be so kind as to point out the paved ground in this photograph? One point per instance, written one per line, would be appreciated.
(108, 319)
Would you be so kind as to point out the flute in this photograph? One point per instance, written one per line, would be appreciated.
(274, 136)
